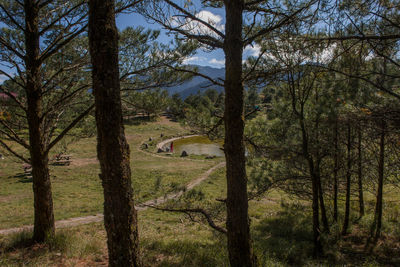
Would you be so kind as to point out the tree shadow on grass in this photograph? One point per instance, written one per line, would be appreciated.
(16, 241)
(138, 120)
(286, 237)
(26, 180)
(383, 251)
(20, 250)
(185, 253)
(22, 178)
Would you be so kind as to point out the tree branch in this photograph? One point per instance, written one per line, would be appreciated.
(378, 86)
(13, 152)
(281, 23)
(12, 18)
(193, 17)
(68, 128)
(196, 210)
(14, 136)
(357, 37)
(57, 45)
(197, 74)
(13, 98)
(12, 49)
(61, 17)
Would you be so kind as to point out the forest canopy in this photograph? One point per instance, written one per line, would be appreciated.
(304, 103)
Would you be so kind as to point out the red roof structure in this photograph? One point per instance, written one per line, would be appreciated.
(4, 96)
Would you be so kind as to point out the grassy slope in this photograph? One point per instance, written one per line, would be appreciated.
(77, 189)
(281, 227)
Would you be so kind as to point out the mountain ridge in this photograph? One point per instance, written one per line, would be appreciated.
(198, 83)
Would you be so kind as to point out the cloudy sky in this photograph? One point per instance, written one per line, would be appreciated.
(214, 58)
(214, 16)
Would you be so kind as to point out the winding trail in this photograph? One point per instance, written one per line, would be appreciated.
(190, 185)
(140, 207)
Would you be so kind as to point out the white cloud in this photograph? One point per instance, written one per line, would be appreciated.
(210, 18)
(326, 54)
(196, 27)
(215, 61)
(194, 59)
(370, 55)
(285, 51)
(253, 50)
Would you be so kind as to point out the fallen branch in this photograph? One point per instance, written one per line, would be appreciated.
(196, 210)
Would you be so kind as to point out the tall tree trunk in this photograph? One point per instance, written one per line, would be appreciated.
(360, 174)
(322, 203)
(120, 217)
(239, 242)
(348, 182)
(318, 171)
(316, 228)
(315, 208)
(379, 195)
(335, 172)
(314, 183)
(43, 201)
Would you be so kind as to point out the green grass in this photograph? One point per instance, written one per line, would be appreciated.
(67, 248)
(280, 226)
(77, 189)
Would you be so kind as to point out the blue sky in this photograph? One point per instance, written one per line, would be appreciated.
(214, 58)
(204, 58)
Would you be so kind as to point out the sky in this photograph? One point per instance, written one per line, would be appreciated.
(203, 58)
(214, 58)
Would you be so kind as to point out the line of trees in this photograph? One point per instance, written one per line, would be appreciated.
(326, 118)
(239, 32)
(45, 57)
(329, 133)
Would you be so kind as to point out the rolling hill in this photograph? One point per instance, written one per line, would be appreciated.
(199, 84)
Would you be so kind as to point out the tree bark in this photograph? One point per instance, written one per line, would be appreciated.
(335, 172)
(360, 174)
(43, 201)
(120, 217)
(318, 172)
(239, 243)
(379, 195)
(316, 227)
(322, 203)
(318, 251)
(348, 183)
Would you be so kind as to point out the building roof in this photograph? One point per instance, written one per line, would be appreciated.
(4, 96)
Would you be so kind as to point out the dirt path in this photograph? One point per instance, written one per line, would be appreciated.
(191, 185)
(99, 217)
(79, 162)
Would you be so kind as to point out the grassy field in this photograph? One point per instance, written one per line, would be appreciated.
(77, 189)
(280, 226)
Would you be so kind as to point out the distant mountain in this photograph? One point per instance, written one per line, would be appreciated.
(199, 84)
(200, 87)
